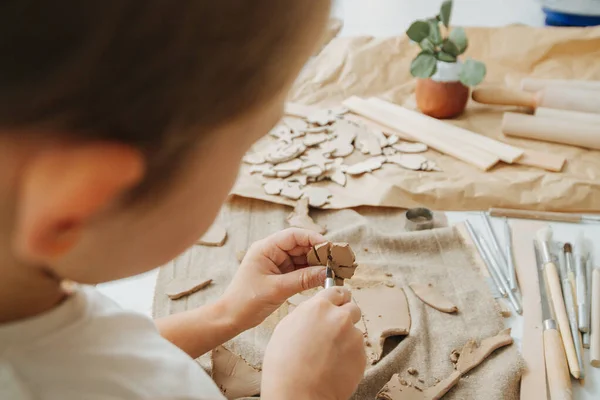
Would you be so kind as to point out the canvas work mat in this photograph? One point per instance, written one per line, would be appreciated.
(439, 256)
(366, 66)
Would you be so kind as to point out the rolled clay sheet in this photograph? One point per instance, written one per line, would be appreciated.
(552, 130)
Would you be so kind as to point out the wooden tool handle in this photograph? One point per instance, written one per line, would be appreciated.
(558, 303)
(539, 215)
(504, 96)
(557, 370)
(595, 335)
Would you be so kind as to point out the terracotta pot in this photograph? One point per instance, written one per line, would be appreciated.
(441, 99)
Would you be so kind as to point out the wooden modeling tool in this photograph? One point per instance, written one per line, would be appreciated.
(544, 236)
(557, 368)
(567, 287)
(581, 286)
(536, 84)
(543, 215)
(562, 99)
(487, 262)
(595, 334)
(574, 133)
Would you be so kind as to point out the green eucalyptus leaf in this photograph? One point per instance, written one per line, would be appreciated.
(418, 31)
(449, 47)
(434, 32)
(442, 56)
(459, 38)
(472, 72)
(446, 12)
(424, 65)
(427, 45)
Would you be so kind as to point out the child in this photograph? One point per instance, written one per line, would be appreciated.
(122, 125)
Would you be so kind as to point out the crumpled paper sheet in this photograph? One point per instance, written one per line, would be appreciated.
(367, 66)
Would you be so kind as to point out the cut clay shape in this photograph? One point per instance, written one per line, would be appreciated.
(406, 147)
(382, 321)
(317, 196)
(392, 140)
(233, 375)
(301, 179)
(299, 218)
(288, 166)
(254, 158)
(283, 152)
(291, 190)
(342, 259)
(472, 355)
(315, 139)
(321, 117)
(312, 172)
(316, 158)
(433, 298)
(338, 176)
(413, 162)
(317, 129)
(182, 287)
(260, 168)
(397, 389)
(215, 236)
(296, 124)
(273, 187)
(383, 140)
(368, 165)
(389, 151)
(285, 134)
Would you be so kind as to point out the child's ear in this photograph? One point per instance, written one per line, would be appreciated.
(63, 188)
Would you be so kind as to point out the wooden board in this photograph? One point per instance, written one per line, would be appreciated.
(538, 159)
(533, 382)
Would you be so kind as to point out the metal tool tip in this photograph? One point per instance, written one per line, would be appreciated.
(568, 248)
(329, 273)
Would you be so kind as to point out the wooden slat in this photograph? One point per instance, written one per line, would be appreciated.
(432, 138)
(547, 161)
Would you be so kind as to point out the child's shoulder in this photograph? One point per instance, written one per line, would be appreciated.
(88, 347)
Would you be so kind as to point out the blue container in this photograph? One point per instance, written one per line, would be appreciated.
(556, 18)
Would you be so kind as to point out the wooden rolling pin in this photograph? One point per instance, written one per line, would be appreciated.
(552, 130)
(568, 115)
(534, 84)
(562, 99)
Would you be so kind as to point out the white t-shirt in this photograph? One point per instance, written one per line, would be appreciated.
(88, 348)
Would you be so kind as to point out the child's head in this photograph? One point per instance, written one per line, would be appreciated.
(122, 122)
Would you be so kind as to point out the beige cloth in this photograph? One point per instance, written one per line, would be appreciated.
(378, 238)
(366, 66)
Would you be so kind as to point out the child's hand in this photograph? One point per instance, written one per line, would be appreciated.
(316, 352)
(272, 270)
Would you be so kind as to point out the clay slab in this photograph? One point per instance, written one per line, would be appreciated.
(299, 218)
(433, 298)
(234, 376)
(181, 287)
(215, 236)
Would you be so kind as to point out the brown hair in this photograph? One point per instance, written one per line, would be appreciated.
(143, 72)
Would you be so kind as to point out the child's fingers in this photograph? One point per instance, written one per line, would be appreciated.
(281, 246)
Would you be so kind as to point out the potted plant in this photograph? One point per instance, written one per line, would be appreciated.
(443, 78)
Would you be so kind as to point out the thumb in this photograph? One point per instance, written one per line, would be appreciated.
(301, 279)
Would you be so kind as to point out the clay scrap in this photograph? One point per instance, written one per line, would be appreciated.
(312, 148)
(233, 375)
(299, 218)
(181, 287)
(215, 236)
(470, 356)
(433, 298)
(380, 320)
(342, 259)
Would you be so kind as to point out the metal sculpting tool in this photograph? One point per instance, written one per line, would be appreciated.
(329, 281)
(512, 275)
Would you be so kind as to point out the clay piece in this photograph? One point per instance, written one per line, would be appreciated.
(283, 152)
(368, 165)
(342, 259)
(273, 187)
(312, 172)
(389, 151)
(370, 145)
(321, 117)
(317, 129)
(215, 236)
(296, 124)
(182, 287)
(233, 375)
(301, 179)
(472, 354)
(317, 196)
(285, 134)
(454, 356)
(412, 371)
(299, 218)
(315, 139)
(291, 190)
(406, 147)
(288, 166)
(380, 320)
(261, 168)
(316, 158)
(413, 162)
(254, 158)
(398, 389)
(392, 140)
(433, 298)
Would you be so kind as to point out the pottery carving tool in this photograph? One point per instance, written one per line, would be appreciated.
(557, 369)
(329, 279)
(555, 295)
(573, 133)
(567, 287)
(418, 219)
(487, 262)
(508, 255)
(499, 255)
(543, 215)
(595, 334)
(581, 285)
(562, 99)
